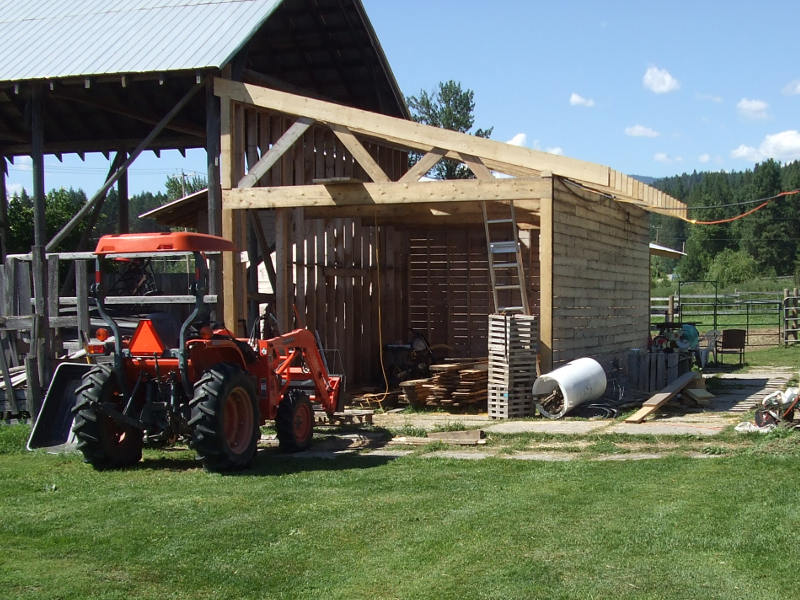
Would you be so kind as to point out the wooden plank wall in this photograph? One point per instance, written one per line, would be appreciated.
(336, 289)
(317, 154)
(601, 265)
(449, 291)
(333, 275)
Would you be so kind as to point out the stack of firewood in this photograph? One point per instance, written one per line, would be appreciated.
(472, 385)
(416, 392)
(458, 385)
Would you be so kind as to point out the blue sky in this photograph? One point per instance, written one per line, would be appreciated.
(646, 88)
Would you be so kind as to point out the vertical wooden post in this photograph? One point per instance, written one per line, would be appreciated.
(82, 294)
(251, 154)
(671, 308)
(3, 210)
(123, 225)
(785, 315)
(283, 261)
(214, 190)
(546, 280)
(40, 335)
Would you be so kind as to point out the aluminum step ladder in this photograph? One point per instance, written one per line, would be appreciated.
(505, 257)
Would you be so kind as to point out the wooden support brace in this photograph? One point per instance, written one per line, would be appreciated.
(360, 153)
(274, 154)
(476, 166)
(422, 166)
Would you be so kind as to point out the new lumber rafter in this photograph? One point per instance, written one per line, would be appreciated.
(368, 194)
(436, 143)
(408, 134)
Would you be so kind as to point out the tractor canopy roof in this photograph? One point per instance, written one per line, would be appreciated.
(168, 242)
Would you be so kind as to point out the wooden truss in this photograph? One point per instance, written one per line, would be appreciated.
(502, 172)
(481, 155)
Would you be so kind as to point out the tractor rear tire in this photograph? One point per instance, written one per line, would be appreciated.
(105, 443)
(295, 422)
(224, 418)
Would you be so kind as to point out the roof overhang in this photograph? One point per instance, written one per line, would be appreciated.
(658, 250)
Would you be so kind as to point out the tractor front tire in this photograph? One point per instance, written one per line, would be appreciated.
(295, 422)
(105, 444)
(224, 418)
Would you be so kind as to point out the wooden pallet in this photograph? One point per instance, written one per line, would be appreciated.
(512, 348)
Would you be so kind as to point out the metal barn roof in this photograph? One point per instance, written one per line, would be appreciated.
(111, 69)
(51, 39)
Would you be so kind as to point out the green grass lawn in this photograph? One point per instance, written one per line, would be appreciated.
(413, 527)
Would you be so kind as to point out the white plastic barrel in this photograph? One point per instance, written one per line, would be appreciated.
(579, 381)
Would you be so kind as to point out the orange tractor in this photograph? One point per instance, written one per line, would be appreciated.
(172, 380)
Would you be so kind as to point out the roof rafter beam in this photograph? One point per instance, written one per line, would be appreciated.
(123, 168)
(274, 154)
(118, 109)
(495, 155)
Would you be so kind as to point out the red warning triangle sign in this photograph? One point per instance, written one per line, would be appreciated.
(145, 340)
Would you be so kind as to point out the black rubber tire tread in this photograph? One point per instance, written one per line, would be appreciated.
(96, 433)
(284, 421)
(207, 418)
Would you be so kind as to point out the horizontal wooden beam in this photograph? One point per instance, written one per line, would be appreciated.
(527, 212)
(410, 134)
(368, 194)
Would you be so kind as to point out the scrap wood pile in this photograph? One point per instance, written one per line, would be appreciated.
(453, 385)
(12, 406)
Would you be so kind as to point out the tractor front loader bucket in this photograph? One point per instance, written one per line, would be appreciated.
(53, 427)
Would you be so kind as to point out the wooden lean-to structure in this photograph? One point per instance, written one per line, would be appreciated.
(308, 139)
(362, 215)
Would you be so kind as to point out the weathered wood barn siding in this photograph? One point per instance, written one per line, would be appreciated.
(449, 290)
(331, 262)
(600, 275)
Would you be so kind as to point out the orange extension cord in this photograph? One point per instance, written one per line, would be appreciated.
(744, 214)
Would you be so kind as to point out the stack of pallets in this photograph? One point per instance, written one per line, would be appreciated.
(513, 344)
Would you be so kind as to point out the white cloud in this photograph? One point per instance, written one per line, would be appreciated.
(518, 140)
(792, 88)
(641, 131)
(752, 109)
(659, 81)
(783, 146)
(521, 139)
(710, 98)
(14, 188)
(704, 158)
(663, 157)
(578, 100)
(22, 163)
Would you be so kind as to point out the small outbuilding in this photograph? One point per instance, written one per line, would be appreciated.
(308, 139)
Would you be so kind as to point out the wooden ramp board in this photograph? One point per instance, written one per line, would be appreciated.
(663, 396)
(701, 396)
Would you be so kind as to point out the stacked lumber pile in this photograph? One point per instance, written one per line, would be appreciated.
(11, 405)
(415, 392)
(458, 385)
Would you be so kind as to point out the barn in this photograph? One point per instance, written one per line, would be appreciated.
(308, 142)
